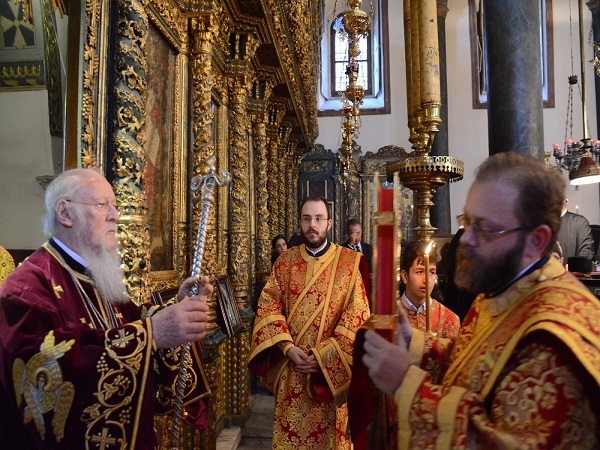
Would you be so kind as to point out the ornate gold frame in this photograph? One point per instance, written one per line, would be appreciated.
(173, 27)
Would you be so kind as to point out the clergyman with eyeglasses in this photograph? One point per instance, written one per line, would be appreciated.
(524, 370)
(306, 320)
(81, 365)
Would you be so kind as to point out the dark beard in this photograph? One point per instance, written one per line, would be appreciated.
(477, 276)
(320, 240)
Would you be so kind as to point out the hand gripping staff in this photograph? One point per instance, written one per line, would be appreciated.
(207, 183)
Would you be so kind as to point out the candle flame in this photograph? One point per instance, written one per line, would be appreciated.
(428, 248)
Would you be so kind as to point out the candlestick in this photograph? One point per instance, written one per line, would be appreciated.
(385, 275)
(427, 295)
(429, 59)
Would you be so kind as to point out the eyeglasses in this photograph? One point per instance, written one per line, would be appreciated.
(307, 220)
(100, 206)
(482, 233)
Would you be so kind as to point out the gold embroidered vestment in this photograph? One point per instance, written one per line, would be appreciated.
(316, 304)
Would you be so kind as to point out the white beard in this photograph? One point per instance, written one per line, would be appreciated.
(104, 267)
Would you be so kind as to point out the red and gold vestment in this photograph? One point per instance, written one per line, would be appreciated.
(316, 304)
(67, 379)
(523, 373)
(444, 323)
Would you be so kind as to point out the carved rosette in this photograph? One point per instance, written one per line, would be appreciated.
(263, 245)
(129, 137)
(239, 256)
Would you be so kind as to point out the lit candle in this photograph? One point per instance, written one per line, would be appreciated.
(577, 209)
(427, 295)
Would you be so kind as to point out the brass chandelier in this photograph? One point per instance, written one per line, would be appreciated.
(356, 25)
(581, 158)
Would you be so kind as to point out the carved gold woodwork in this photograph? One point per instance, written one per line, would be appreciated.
(129, 158)
(221, 52)
(276, 112)
(291, 188)
(262, 214)
(238, 148)
(285, 130)
(308, 119)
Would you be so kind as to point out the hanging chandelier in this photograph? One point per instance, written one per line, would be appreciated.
(579, 158)
(355, 24)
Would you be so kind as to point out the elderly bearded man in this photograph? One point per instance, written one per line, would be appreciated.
(524, 371)
(79, 362)
(304, 330)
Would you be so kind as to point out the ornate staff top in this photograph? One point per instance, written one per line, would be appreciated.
(207, 183)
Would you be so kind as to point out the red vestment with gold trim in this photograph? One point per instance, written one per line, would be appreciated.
(444, 323)
(68, 381)
(523, 373)
(316, 304)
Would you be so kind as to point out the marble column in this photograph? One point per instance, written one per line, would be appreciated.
(594, 6)
(514, 80)
(440, 212)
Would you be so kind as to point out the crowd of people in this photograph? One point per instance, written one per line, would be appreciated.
(522, 369)
(511, 358)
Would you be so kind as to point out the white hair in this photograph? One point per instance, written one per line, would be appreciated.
(64, 186)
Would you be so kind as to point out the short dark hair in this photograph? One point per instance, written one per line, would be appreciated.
(416, 251)
(541, 190)
(351, 223)
(315, 198)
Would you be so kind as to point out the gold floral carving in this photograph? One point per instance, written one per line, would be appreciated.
(284, 135)
(240, 213)
(290, 199)
(284, 42)
(172, 24)
(90, 86)
(276, 113)
(263, 253)
(129, 137)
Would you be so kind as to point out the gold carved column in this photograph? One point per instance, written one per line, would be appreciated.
(129, 161)
(205, 35)
(276, 114)
(291, 188)
(284, 135)
(205, 32)
(239, 253)
(262, 215)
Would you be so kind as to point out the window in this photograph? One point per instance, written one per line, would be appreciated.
(478, 58)
(372, 59)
